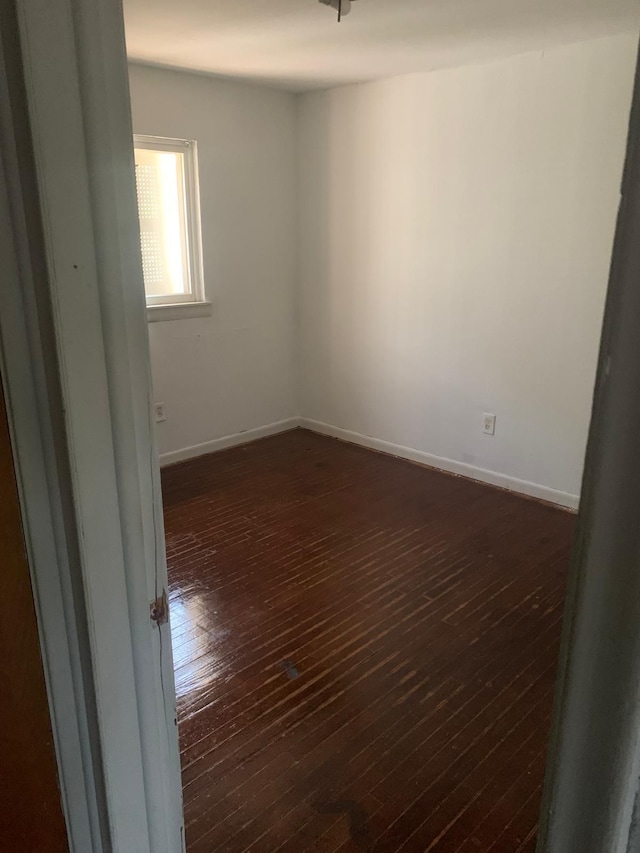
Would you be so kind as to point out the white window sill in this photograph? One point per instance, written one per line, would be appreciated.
(178, 311)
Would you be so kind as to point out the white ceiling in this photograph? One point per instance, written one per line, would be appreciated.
(299, 45)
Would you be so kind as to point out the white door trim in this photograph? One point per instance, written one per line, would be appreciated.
(74, 65)
(36, 442)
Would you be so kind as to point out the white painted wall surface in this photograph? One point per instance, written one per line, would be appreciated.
(233, 371)
(456, 234)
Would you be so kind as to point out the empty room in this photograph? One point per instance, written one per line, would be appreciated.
(376, 240)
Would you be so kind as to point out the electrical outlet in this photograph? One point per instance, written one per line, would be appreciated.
(488, 424)
(159, 413)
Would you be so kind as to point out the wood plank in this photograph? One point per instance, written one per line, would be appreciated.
(365, 650)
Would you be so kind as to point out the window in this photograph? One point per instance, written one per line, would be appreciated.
(168, 208)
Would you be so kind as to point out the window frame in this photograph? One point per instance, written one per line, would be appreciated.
(181, 304)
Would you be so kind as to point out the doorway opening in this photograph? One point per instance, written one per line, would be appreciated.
(372, 408)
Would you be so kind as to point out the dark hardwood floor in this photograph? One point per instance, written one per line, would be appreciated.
(365, 651)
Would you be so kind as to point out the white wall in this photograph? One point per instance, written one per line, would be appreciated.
(233, 371)
(456, 232)
(451, 258)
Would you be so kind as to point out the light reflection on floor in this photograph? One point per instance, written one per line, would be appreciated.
(196, 659)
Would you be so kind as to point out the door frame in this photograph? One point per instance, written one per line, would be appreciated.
(591, 800)
(75, 360)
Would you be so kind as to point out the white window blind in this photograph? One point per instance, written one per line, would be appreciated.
(166, 182)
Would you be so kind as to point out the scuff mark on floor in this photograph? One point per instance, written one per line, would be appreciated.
(290, 669)
(357, 817)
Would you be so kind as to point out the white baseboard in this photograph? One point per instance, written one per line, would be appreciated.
(523, 487)
(228, 441)
(494, 478)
